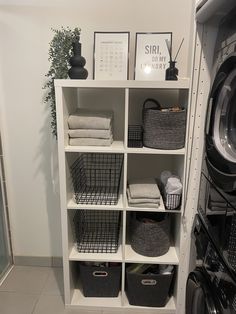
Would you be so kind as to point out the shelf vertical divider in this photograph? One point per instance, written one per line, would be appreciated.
(126, 117)
(63, 194)
(124, 194)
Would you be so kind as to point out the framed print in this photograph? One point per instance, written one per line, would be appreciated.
(152, 55)
(111, 55)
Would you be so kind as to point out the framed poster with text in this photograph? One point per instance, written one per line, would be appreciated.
(152, 55)
(111, 55)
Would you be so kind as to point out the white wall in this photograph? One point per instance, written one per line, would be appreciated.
(30, 149)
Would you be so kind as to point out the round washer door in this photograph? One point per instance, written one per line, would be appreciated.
(221, 127)
(198, 295)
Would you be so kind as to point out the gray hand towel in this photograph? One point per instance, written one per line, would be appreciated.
(90, 119)
(142, 200)
(144, 205)
(90, 133)
(144, 188)
(90, 141)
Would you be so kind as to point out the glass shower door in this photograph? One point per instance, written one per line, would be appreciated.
(5, 252)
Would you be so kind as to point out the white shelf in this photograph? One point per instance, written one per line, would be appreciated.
(119, 206)
(96, 257)
(78, 299)
(116, 147)
(182, 83)
(121, 96)
(169, 258)
(153, 151)
(170, 307)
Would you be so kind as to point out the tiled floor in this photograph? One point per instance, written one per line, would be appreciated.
(35, 290)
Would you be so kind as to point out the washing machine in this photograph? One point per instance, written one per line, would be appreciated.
(211, 286)
(220, 129)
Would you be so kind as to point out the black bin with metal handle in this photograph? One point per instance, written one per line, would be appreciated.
(100, 281)
(148, 289)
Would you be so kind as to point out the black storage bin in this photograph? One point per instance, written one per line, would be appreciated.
(148, 290)
(100, 281)
(97, 231)
(153, 238)
(135, 136)
(96, 178)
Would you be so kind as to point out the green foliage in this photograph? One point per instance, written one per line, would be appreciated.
(60, 51)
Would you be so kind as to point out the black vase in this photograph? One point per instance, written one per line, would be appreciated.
(172, 72)
(77, 62)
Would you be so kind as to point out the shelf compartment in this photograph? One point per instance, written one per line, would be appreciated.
(170, 307)
(169, 258)
(78, 299)
(116, 147)
(96, 178)
(97, 231)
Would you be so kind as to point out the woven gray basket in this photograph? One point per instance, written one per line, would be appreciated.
(150, 239)
(163, 129)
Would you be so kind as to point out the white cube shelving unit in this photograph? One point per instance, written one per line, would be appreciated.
(125, 99)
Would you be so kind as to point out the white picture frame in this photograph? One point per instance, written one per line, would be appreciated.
(152, 55)
(111, 55)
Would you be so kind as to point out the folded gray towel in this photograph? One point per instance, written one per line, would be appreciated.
(90, 133)
(90, 119)
(142, 200)
(144, 205)
(80, 141)
(144, 188)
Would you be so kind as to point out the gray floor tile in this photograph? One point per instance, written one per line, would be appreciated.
(49, 304)
(54, 283)
(24, 279)
(17, 303)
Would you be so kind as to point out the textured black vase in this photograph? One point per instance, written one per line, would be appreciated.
(77, 62)
(172, 72)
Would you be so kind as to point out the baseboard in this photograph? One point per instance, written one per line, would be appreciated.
(43, 261)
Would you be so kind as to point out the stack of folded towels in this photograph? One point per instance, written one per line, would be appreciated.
(143, 193)
(90, 128)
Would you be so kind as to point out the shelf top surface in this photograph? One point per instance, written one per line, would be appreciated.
(182, 83)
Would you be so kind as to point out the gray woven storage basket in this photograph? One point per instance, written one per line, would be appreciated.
(163, 129)
(150, 239)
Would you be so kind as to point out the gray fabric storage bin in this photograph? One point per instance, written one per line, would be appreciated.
(148, 290)
(150, 239)
(163, 130)
(100, 281)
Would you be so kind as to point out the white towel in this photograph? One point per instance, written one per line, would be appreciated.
(144, 188)
(90, 141)
(90, 133)
(173, 186)
(90, 119)
(142, 200)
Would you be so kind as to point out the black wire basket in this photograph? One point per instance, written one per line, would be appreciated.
(97, 231)
(135, 136)
(172, 201)
(96, 178)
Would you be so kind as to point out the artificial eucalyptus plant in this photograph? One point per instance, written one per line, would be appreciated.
(60, 51)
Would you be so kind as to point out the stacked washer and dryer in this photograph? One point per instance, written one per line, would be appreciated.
(211, 286)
